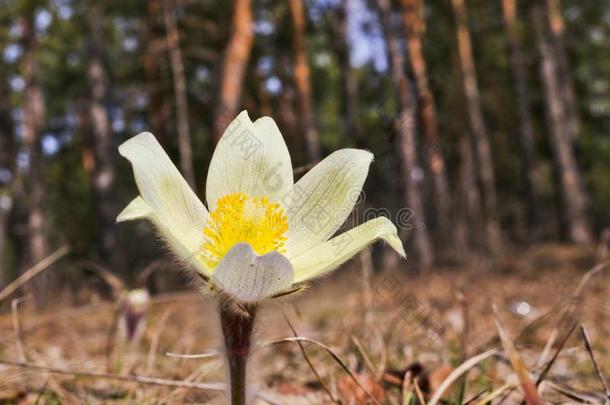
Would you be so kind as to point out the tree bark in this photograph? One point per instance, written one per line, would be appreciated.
(415, 28)
(574, 197)
(7, 162)
(348, 82)
(103, 170)
(33, 118)
(234, 66)
(406, 132)
(180, 95)
(556, 30)
(470, 223)
(302, 76)
(157, 109)
(479, 130)
(526, 127)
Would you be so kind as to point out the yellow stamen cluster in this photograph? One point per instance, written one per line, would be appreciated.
(239, 217)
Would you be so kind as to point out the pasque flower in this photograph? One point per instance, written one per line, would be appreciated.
(261, 234)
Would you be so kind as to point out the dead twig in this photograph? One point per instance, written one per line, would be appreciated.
(457, 373)
(219, 387)
(310, 364)
(154, 345)
(332, 354)
(532, 397)
(418, 391)
(17, 326)
(598, 370)
(570, 307)
(194, 356)
(33, 272)
(548, 366)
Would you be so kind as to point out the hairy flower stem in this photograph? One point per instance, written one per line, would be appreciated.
(237, 323)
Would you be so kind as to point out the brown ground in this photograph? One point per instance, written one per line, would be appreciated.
(422, 322)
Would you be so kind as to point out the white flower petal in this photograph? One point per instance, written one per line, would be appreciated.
(165, 192)
(248, 277)
(333, 253)
(139, 209)
(136, 209)
(320, 202)
(251, 158)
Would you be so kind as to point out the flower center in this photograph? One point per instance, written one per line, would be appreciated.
(239, 217)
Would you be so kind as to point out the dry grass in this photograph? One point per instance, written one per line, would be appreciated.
(420, 330)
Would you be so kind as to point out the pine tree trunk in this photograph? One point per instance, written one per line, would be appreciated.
(573, 194)
(302, 76)
(406, 133)
(33, 117)
(7, 162)
(415, 28)
(180, 95)
(556, 29)
(103, 170)
(526, 128)
(479, 130)
(348, 83)
(470, 223)
(234, 66)
(157, 109)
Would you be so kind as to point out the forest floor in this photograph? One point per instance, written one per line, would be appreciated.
(422, 326)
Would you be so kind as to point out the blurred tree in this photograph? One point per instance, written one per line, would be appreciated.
(412, 14)
(348, 88)
(526, 126)
(234, 65)
(406, 135)
(103, 166)
(479, 130)
(180, 94)
(8, 163)
(33, 121)
(573, 194)
(302, 77)
(157, 108)
(556, 30)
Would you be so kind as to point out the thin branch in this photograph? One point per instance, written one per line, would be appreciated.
(333, 355)
(33, 272)
(548, 366)
(309, 363)
(457, 373)
(598, 370)
(17, 326)
(570, 307)
(219, 387)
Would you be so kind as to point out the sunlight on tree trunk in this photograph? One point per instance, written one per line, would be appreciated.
(526, 127)
(556, 30)
(180, 95)
(479, 130)
(234, 66)
(415, 28)
(573, 194)
(406, 135)
(302, 76)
